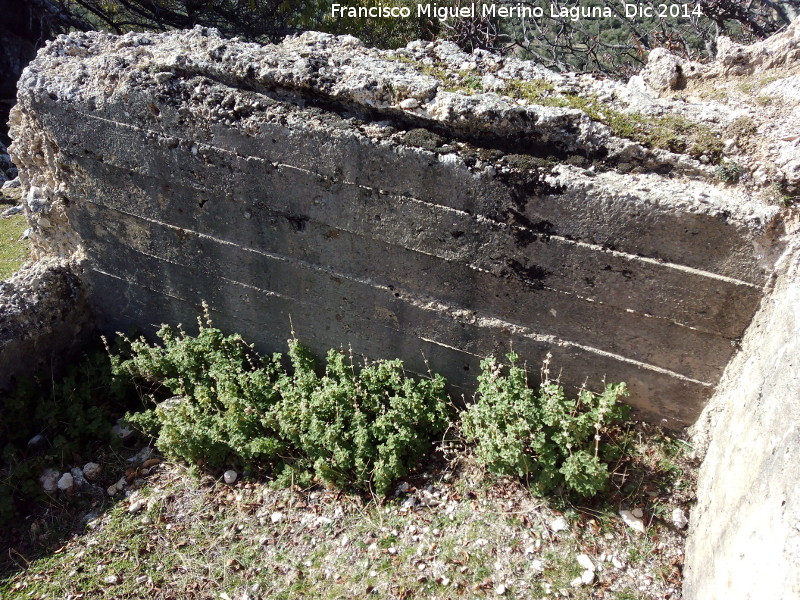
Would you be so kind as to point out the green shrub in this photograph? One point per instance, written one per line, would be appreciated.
(359, 427)
(729, 171)
(364, 428)
(541, 435)
(226, 408)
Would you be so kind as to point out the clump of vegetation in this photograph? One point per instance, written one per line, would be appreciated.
(779, 192)
(471, 81)
(362, 427)
(217, 403)
(350, 427)
(541, 435)
(671, 132)
(741, 129)
(729, 171)
(47, 423)
(423, 138)
(534, 90)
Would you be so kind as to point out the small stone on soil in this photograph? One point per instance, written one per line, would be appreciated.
(558, 524)
(66, 482)
(91, 471)
(632, 521)
(679, 518)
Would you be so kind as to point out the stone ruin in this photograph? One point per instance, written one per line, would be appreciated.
(440, 207)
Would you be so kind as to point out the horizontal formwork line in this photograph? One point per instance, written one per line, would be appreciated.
(371, 282)
(439, 308)
(420, 374)
(565, 240)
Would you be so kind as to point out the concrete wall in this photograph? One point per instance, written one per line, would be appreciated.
(293, 182)
(744, 541)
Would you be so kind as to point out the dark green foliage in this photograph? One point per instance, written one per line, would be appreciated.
(364, 428)
(729, 172)
(351, 427)
(72, 414)
(226, 397)
(541, 435)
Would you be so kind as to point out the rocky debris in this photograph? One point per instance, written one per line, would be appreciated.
(142, 456)
(230, 476)
(77, 477)
(588, 574)
(66, 482)
(136, 505)
(277, 517)
(49, 480)
(117, 487)
(112, 580)
(679, 518)
(122, 431)
(664, 71)
(585, 562)
(782, 49)
(409, 103)
(44, 314)
(7, 169)
(558, 524)
(632, 521)
(12, 184)
(586, 578)
(14, 210)
(92, 471)
(37, 442)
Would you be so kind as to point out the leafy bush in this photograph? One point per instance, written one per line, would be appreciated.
(363, 428)
(541, 435)
(72, 414)
(225, 397)
(729, 172)
(353, 427)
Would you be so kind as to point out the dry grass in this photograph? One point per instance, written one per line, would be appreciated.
(449, 531)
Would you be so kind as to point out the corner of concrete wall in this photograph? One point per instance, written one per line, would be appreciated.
(744, 541)
(44, 317)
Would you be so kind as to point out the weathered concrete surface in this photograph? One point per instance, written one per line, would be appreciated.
(44, 317)
(744, 541)
(363, 198)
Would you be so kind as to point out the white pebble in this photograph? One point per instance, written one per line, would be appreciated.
(558, 524)
(585, 562)
(49, 480)
(91, 470)
(276, 517)
(230, 476)
(632, 521)
(66, 482)
(679, 518)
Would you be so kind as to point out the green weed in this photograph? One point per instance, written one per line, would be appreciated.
(542, 435)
